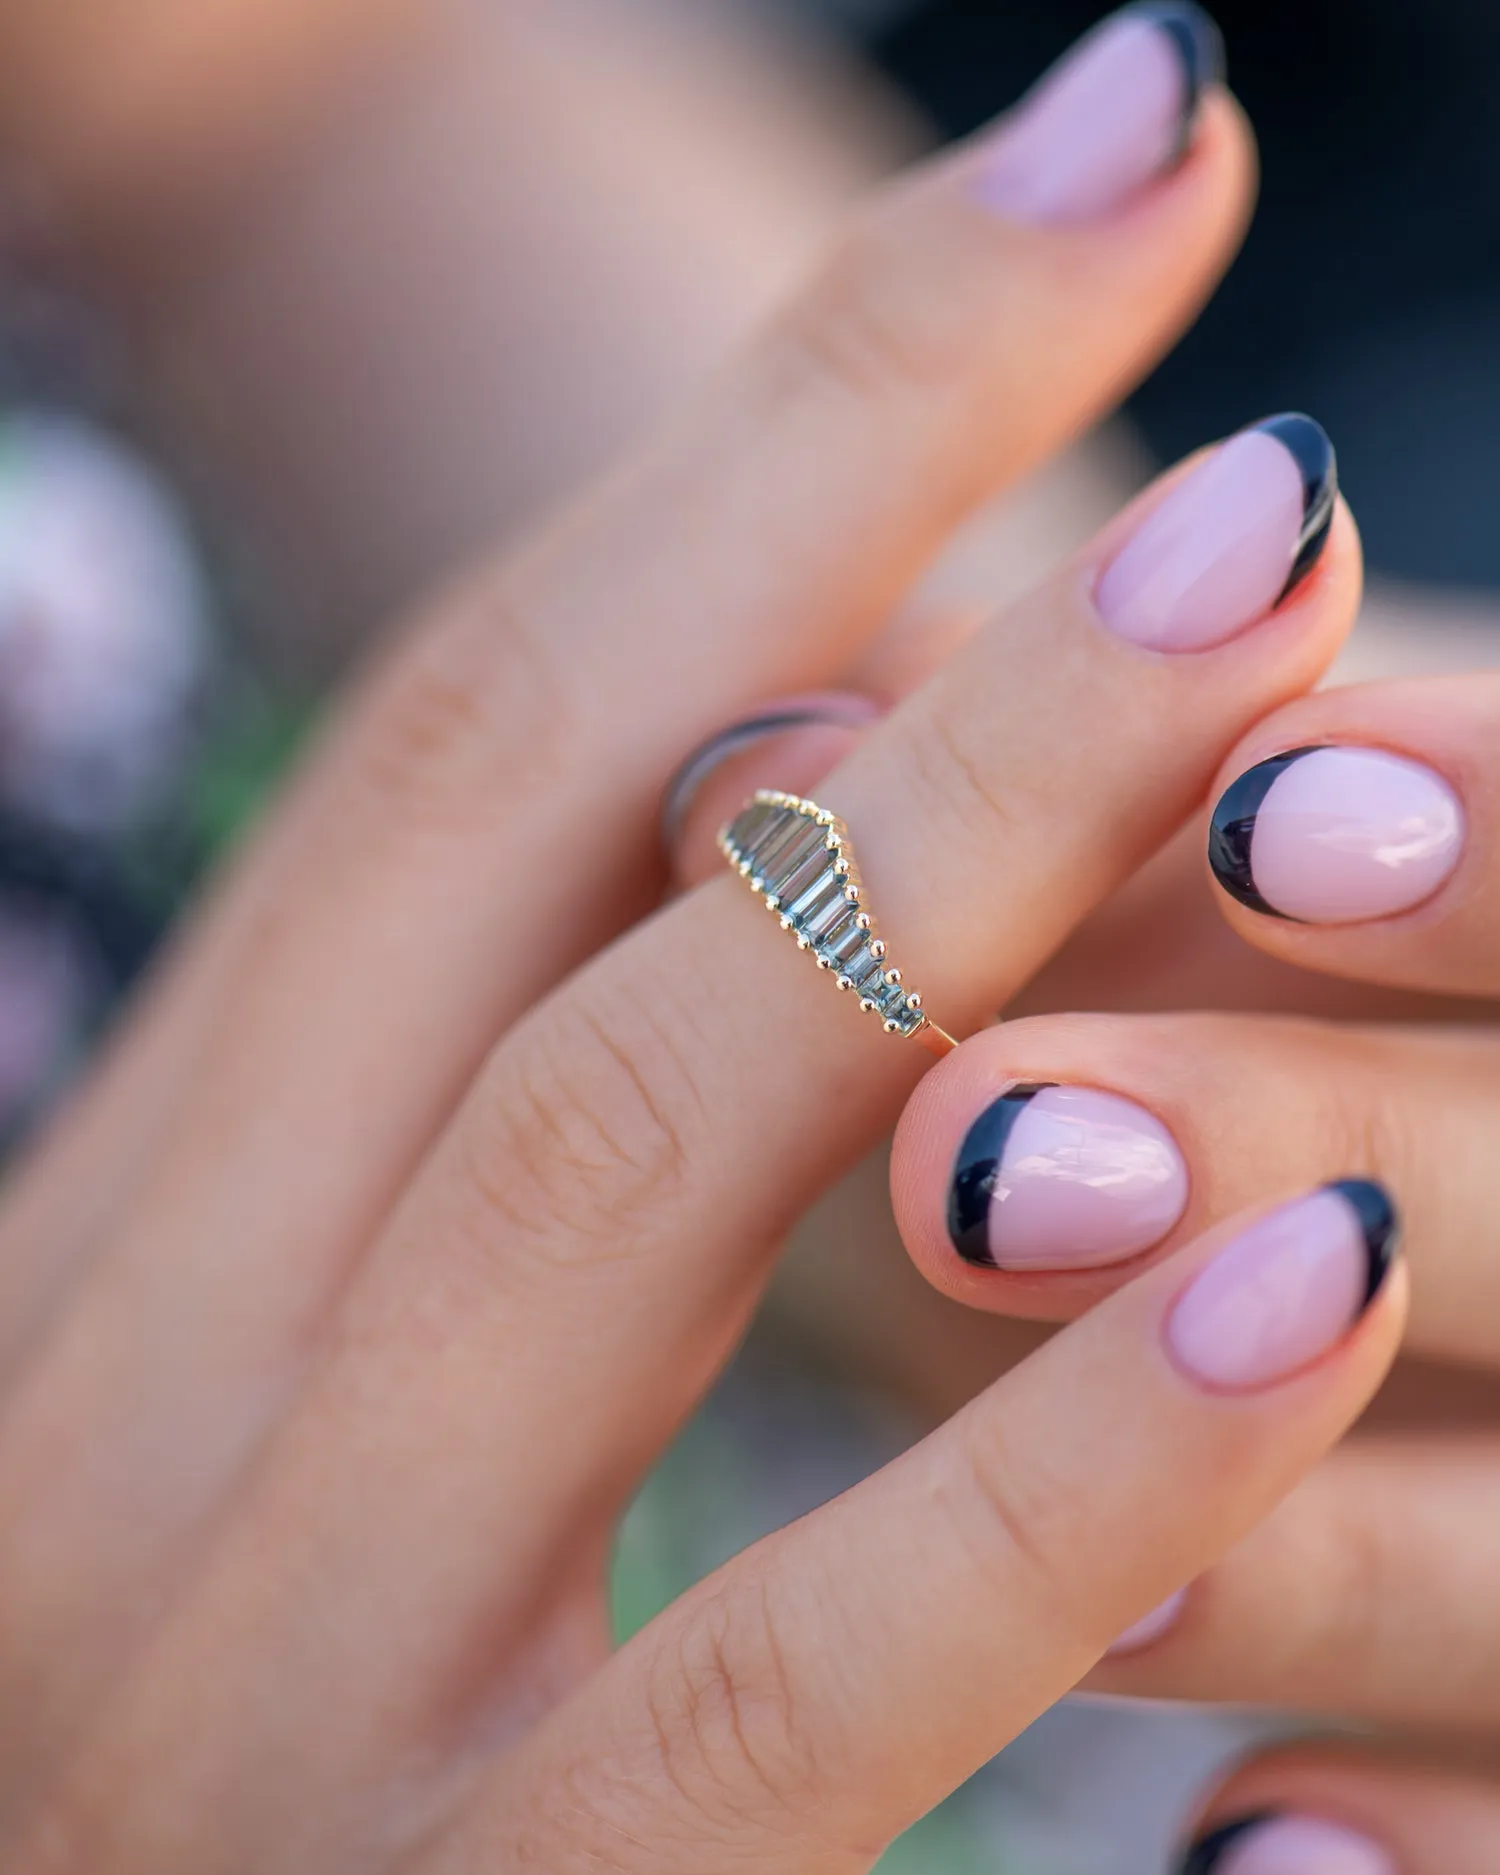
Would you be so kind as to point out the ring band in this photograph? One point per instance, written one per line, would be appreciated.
(796, 857)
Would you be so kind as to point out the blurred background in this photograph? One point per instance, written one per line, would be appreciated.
(303, 301)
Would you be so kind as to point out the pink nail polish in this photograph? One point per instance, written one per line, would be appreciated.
(1055, 1178)
(1286, 1290)
(1336, 835)
(1115, 112)
(1161, 1620)
(1288, 1845)
(1227, 544)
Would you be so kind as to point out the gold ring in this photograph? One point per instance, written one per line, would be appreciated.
(796, 857)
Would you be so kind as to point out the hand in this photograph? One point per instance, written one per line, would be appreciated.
(1369, 1594)
(411, 1213)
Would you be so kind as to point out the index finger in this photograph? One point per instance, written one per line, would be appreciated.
(820, 1693)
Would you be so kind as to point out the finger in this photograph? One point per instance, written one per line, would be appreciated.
(943, 349)
(948, 344)
(1369, 1594)
(1356, 834)
(622, 1169)
(818, 1695)
(1330, 1809)
(1149, 1128)
(811, 1700)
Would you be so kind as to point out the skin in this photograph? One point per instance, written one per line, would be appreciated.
(429, 1181)
(154, 1153)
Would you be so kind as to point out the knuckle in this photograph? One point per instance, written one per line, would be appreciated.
(868, 328)
(1016, 1521)
(729, 1729)
(957, 783)
(581, 1139)
(474, 707)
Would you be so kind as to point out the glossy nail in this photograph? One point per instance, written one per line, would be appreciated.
(1228, 543)
(838, 710)
(1335, 835)
(1286, 1290)
(1053, 1178)
(1112, 114)
(1150, 1628)
(1268, 1844)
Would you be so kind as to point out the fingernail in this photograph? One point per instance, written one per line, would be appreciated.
(1267, 1844)
(826, 710)
(1161, 1620)
(1052, 1178)
(1116, 111)
(1335, 835)
(1286, 1290)
(1228, 544)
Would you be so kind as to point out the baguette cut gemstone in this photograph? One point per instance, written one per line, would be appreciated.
(860, 965)
(824, 920)
(805, 881)
(825, 892)
(780, 857)
(850, 938)
(797, 858)
(781, 823)
(892, 999)
(750, 826)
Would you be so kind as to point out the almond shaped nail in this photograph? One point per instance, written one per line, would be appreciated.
(1228, 544)
(1286, 1290)
(1116, 111)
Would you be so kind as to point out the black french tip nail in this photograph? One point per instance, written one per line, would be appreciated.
(976, 1169)
(1231, 829)
(1208, 1853)
(1380, 1225)
(682, 789)
(1199, 46)
(1313, 454)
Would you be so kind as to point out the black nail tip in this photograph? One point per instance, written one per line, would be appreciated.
(1231, 828)
(1199, 46)
(976, 1168)
(1209, 1851)
(1313, 453)
(1380, 1225)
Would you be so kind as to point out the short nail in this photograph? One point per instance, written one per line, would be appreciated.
(1286, 1290)
(1116, 111)
(828, 710)
(1268, 1844)
(1055, 1178)
(1140, 1634)
(1335, 835)
(1228, 543)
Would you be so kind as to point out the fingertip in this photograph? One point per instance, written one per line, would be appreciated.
(1033, 1190)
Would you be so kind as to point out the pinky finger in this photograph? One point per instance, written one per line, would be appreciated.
(1335, 1810)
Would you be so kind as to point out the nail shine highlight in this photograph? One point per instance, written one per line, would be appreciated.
(1053, 1177)
(1228, 544)
(1335, 835)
